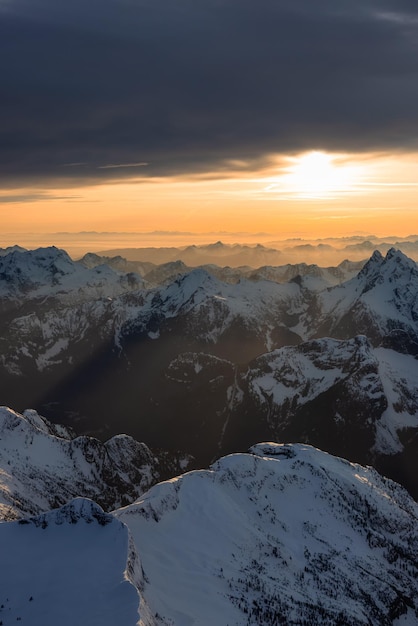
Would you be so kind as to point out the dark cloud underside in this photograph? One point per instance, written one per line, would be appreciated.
(185, 85)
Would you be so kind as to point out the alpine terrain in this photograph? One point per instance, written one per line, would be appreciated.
(284, 534)
(206, 367)
(124, 374)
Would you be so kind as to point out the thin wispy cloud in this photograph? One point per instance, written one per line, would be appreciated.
(390, 184)
(115, 166)
(78, 164)
(34, 197)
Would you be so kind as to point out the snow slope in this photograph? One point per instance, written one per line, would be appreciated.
(76, 565)
(284, 535)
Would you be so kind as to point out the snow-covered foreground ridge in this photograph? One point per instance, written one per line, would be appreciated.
(285, 534)
(75, 565)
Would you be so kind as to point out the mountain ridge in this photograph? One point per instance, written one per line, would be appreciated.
(43, 465)
(272, 535)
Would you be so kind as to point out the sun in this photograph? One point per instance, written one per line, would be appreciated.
(316, 175)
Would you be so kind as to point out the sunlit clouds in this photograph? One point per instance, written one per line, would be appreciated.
(311, 193)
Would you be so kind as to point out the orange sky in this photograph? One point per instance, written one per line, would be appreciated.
(309, 195)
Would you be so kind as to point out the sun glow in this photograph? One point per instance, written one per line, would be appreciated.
(317, 175)
(321, 193)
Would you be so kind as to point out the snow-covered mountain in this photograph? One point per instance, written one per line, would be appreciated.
(343, 395)
(99, 306)
(210, 309)
(284, 535)
(44, 465)
(9, 249)
(381, 300)
(48, 272)
(313, 277)
(118, 263)
(42, 335)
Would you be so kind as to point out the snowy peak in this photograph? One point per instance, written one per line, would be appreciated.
(201, 308)
(343, 396)
(198, 286)
(43, 425)
(196, 280)
(381, 298)
(30, 268)
(9, 420)
(9, 249)
(394, 267)
(51, 272)
(285, 534)
(43, 465)
(184, 293)
(273, 534)
(315, 360)
(30, 422)
(371, 269)
(117, 263)
(91, 260)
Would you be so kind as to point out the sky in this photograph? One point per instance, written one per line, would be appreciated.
(287, 117)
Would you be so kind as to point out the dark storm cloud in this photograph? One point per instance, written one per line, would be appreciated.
(184, 86)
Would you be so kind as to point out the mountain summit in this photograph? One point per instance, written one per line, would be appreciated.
(382, 298)
(284, 535)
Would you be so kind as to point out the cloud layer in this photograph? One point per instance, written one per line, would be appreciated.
(94, 90)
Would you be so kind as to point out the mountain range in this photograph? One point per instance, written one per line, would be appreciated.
(325, 252)
(199, 365)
